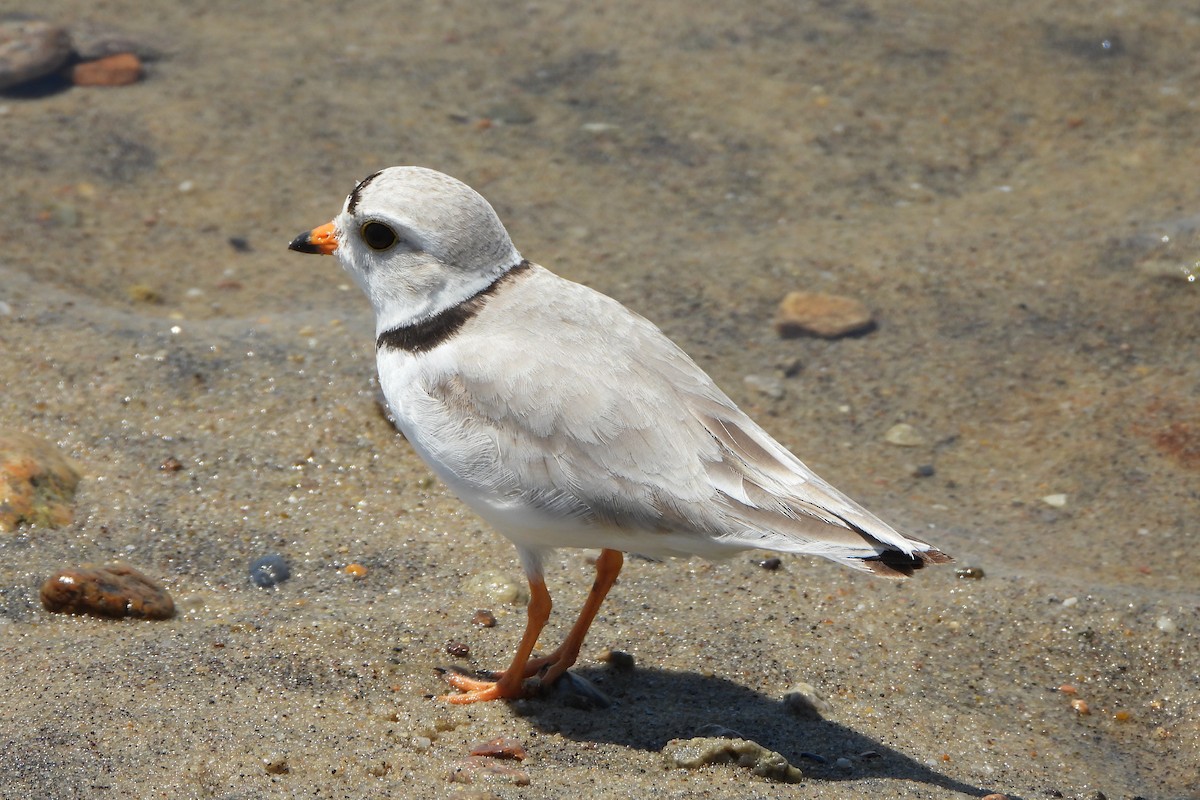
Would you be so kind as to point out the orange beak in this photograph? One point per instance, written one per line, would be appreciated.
(321, 241)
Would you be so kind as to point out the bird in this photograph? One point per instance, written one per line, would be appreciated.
(566, 420)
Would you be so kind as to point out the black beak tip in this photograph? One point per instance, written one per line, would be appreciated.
(303, 244)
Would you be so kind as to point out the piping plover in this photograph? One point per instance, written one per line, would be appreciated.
(566, 420)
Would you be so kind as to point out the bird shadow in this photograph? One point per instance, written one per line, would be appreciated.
(649, 707)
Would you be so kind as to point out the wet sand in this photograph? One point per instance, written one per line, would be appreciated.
(995, 185)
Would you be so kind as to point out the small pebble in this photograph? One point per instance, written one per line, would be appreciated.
(969, 573)
(458, 649)
(924, 471)
(618, 660)
(144, 293)
(356, 571)
(904, 435)
(825, 315)
(995, 797)
(701, 751)
(37, 483)
(844, 763)
(510, 113)
(501, 747)
(269, 570)
(771, 564)
(121, 69)
(171, 464)
(483, 618)
(765, 385)
(31, 49)
(276, 765)
(1080, 707)
(482, 768)
(804, 700)
(575, 691)
(496, 586)
(91, 42)
(1055, 500)
(1165, 624)
(113, 591)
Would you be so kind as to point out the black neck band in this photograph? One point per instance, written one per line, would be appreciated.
(429, 333)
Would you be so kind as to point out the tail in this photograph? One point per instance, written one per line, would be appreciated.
(897, 564)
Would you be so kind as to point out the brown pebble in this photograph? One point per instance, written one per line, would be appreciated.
(501, 747)
(117, 590)
(276, 765)
(171, 464)
(482, 768)
(144, 293)
(825, 315)
(995, 797)
(119, 70)
(37, 483)
(483, 618)
(31, 49)
(356, 571)
(969, 573)
(458, 649)
(619, 659)
(1081, 707)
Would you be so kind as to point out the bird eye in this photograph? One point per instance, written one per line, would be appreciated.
(378, 236)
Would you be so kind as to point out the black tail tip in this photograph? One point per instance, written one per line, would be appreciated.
(895, 564)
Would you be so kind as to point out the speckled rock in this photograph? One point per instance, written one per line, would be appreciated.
(31, 49)
(804, 700)
(700, 752)
(90, 42)
(117, 590)
(825, 315)
(37, 483)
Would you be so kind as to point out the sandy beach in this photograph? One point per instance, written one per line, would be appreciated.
(1010, 188)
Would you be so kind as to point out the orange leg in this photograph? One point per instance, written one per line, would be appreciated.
(509, 685)
(608, 567)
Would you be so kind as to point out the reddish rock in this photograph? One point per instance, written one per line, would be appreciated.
(118, 590)
(119, 70)
(37, 483)
(501, 747)
(826, 315)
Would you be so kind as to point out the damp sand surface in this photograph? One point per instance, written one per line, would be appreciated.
(1009, 188)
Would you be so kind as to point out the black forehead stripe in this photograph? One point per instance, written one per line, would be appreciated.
(429, 333)
(356, 195)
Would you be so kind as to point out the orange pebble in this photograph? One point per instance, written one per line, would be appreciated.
(1067, 688)
(1081, 707)
(119, 70)
(355, 570)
